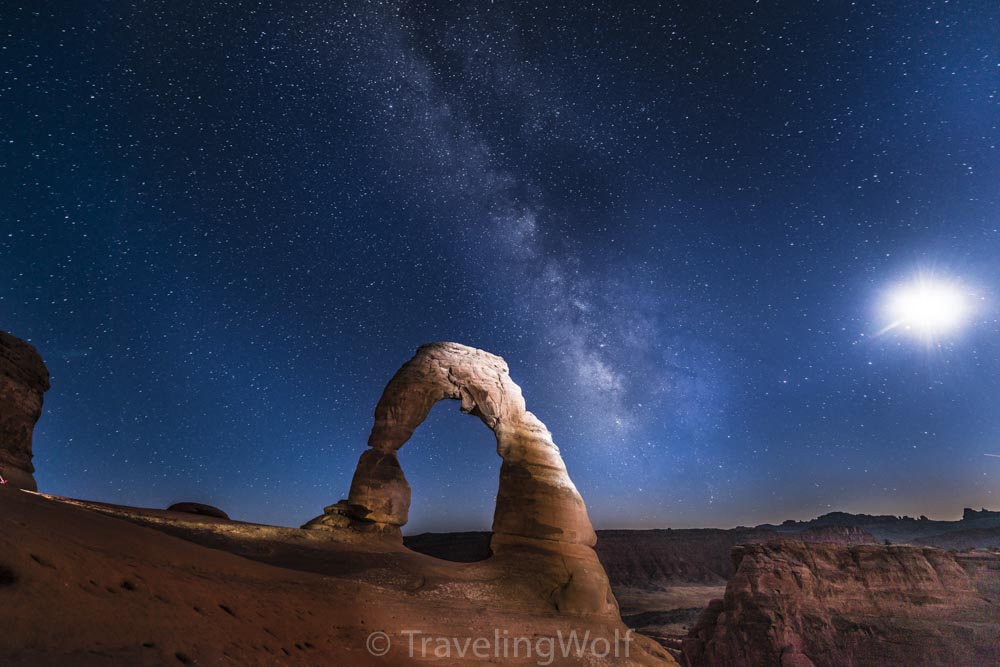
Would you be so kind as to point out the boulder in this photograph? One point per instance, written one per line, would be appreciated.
(198, 508)
(24, 379)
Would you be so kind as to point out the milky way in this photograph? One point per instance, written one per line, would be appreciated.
(226, 225)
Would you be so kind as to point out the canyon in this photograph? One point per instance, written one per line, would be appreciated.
(799, 604)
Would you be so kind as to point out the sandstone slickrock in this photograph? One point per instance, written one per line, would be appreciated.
(96, 584)
(24, 379)
(540, 524)
(199, 509)
(798, 604)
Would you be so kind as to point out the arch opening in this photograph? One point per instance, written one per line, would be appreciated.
(454, 471)
(536, 500)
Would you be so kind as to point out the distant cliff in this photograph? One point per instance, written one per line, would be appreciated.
(969, 514)
(798, 604)
(651, 559)
(981, 528)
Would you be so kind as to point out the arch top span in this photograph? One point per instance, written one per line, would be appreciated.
(479, 380)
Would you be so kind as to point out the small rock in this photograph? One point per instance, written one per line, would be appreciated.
(198, 508)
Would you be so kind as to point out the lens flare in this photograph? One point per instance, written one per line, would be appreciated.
(927, 307)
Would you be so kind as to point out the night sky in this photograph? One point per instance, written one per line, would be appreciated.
(225, 225)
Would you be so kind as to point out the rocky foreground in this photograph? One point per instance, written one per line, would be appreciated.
(91, 584)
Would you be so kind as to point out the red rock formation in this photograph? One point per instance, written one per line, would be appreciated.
(540, 524)
(798, 604)
(24, 379)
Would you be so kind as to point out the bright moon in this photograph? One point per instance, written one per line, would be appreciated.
(927, 307)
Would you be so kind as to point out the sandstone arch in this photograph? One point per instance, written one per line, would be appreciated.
(540, 523)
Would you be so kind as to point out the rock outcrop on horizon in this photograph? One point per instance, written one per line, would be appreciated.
(540, 526)
(200, 509)
(24, 379)
(969, 514)
(798, 604)
(905, 529)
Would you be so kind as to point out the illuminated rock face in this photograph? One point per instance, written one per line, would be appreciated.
(24, 379)
(540, 520)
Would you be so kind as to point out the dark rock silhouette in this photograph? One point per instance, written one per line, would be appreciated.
(24, 379)
(199, 509)
(969, 514)
(904, 529)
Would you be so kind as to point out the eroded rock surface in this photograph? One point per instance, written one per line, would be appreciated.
(24, 379)
(798, 604)
(540, 525)
(845, 535)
